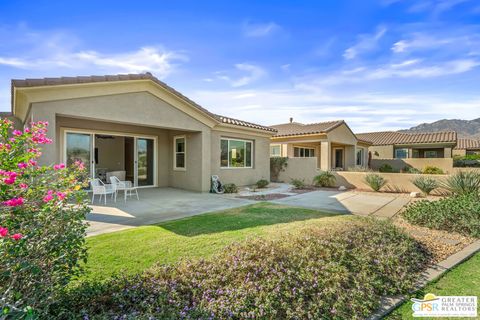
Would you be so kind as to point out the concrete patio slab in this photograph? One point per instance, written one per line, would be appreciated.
(155, 205)
(360, 203)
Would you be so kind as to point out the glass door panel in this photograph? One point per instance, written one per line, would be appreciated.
(79, 148)
(145, 165)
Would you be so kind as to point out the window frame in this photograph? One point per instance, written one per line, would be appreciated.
(280, 150)
(406, 153)
(427, 151)
(252, 146)
(175, 138)
(304, 149)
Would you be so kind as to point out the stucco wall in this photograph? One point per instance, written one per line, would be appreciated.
(299, 168)
(242, 176)
(396, 182)
(381, 152)
(459, 152)
(446, 164)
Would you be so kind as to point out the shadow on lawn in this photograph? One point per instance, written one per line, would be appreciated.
(261, 214)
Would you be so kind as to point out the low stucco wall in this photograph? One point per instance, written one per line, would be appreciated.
(446, 164)
(299, 168)
(396, 182)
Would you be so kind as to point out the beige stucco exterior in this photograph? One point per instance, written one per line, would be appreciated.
(325, 145)
(141, 108)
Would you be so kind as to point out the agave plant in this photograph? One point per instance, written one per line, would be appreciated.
(375, 181)
(426, 184)
(324, 179)
(463, 182)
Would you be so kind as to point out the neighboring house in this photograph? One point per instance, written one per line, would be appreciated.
(332, 144)
(142, 129)
(411, 149)
(466, 146)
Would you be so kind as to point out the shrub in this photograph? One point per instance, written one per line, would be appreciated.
(262, 183)
(432, 170)
(42, 228)
(426, 184)
(375, 181)
(230, 188)
(458, 213)
(325, 179)
(463, 182)
(408, 169)
(386, 168)
(298, 183)
(339, 275)
(277, 165)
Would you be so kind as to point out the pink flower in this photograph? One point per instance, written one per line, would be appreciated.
(14, 202)
(48, 197)
(59, 166)
(80, 164)
(32, 162)
(22, 165)
(61, 195)
(23, 186)
(3, 232)
(9, 180)
(17, 236)
(17, 132)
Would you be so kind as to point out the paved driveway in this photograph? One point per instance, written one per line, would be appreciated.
(360, 203)
(155, 205)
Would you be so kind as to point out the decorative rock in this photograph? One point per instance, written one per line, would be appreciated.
(342, 188)
(414, 194)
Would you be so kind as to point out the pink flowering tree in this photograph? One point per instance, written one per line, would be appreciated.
(42, 221)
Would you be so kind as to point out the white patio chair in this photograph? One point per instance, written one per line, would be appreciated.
(126, 186)
(98, 187)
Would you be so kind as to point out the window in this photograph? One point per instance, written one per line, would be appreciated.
(179, 144)
(360, 153)
(401, 153)
(303, 152)
(275, 150)
(235, 153)
(431, 154)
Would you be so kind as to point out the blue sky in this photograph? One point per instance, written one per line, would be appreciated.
(384, 64)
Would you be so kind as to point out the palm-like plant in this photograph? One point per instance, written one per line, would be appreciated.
(426, 184)
(463, 182)
(375, 181)
(324, 179)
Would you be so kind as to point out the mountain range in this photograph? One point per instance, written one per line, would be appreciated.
(464, 128)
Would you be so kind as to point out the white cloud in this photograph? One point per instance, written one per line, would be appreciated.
(253, 73)
(160, 62)
(436, 7)
(365, 43)
(259, 29)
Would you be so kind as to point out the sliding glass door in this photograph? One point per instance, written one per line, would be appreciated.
(79, 148)
(145, 162)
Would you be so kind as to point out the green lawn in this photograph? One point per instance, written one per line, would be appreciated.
(464, 280)
(136, 249)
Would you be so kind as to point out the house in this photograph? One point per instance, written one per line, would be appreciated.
(138, 127)
(332, 144)
(466, 147)
(411, 149)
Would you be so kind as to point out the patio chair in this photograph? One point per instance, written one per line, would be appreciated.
(126, 186)
(98, 187)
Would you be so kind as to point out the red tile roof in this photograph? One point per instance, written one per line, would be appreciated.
(470, 144)
(393, 137)
(21, 83)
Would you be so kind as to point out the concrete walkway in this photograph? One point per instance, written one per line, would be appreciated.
(361, 203)
(155, 205)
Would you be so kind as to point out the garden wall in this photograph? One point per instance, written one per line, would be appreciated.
(446, 164)
(396, 182)
(299, 168)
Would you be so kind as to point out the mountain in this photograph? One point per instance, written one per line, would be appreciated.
(464, 128)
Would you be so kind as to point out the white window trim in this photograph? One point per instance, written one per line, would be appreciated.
(275, 145)
(175, 138)
(228, 153)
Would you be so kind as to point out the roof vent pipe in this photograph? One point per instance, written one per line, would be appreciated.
(291, 119)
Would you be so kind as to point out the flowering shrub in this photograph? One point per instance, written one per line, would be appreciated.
(42, 228)
(311, 274)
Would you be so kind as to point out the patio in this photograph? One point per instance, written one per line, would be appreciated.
(155, 205)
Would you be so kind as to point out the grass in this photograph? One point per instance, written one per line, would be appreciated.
(464, 280)
(134, 250)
